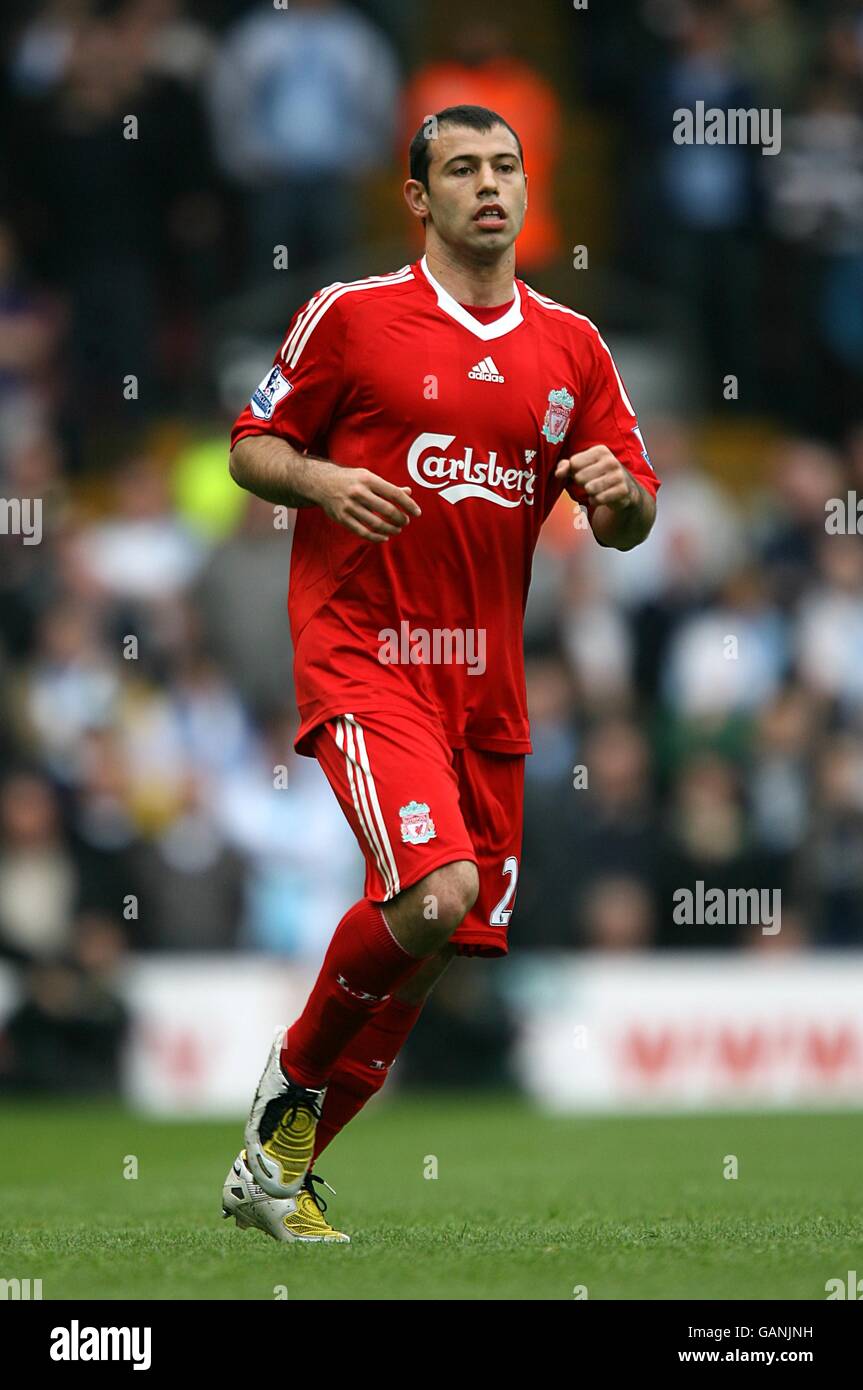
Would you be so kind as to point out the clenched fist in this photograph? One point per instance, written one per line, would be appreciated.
(603, 477)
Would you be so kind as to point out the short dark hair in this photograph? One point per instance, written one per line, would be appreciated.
(474, 117)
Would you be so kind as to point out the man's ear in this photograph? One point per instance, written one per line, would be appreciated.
(416, 197)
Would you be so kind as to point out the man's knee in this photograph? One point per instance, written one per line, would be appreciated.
(425, 916)
(451, 893)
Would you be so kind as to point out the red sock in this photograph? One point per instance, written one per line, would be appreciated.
(363, 964)
(364, 1067)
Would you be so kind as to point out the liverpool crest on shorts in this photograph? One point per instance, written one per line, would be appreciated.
(417, 824)
(557, 415)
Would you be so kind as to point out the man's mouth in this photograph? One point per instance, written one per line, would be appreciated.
(491, 214)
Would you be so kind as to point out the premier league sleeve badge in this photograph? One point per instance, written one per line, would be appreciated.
(272, 389)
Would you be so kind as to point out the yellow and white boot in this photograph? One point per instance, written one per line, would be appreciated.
(284, 1218)
(280, 1130)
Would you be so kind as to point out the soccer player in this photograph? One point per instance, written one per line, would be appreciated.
(423, 423)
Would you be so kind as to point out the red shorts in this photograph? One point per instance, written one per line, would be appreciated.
(414, 804)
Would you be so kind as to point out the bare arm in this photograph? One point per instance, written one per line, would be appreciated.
(622, 512)
(272, 469)
(356, 498)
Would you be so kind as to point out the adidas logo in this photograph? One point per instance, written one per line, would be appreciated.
(484, 371)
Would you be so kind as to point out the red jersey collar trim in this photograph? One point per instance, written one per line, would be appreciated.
(487, 331)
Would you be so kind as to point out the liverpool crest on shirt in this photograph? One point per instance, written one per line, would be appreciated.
(557, 415)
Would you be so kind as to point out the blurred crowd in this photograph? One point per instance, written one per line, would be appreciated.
(710, 683)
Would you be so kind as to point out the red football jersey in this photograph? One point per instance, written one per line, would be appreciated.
(392, 374)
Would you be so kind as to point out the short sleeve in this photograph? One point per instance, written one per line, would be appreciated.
(298, 396)
(606, 416)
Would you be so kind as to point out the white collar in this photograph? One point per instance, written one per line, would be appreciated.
(510, 320)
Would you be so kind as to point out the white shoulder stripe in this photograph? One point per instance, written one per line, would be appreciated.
(318, 305)
(296, 349)
(562, 309)
(321, 294)
(306, 314)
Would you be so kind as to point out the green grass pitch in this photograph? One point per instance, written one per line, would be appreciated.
(525, 1206)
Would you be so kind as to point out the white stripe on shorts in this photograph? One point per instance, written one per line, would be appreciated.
(376, 805)
(357, 781)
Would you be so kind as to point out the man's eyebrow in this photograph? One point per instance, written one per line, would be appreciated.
(502, 154)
